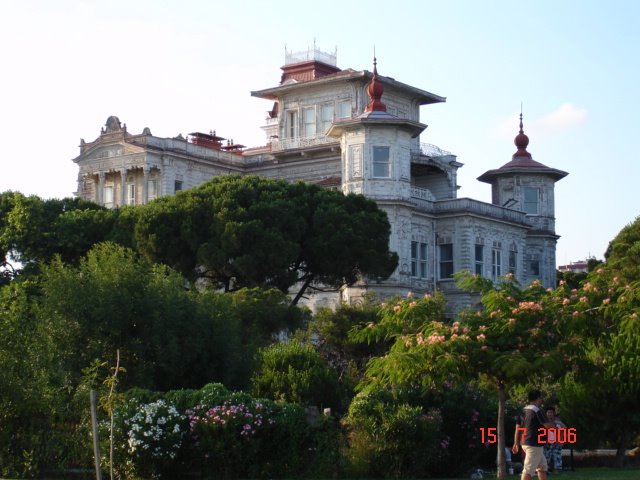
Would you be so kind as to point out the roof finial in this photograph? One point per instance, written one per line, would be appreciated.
(521, 140)
(375, 90)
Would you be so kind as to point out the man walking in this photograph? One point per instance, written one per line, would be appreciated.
(528, 436)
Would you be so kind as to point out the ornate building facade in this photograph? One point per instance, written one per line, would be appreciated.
(359, 132)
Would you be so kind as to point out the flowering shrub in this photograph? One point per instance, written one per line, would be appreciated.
(150, 437)
(237, 438)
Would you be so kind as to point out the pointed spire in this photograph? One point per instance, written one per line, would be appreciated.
(375, 91)
(521, 141)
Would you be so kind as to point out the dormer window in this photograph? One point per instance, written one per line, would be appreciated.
(531, 201)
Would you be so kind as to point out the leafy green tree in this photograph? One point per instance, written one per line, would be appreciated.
(328, 332)
(600, 398)
(294, 372)
(623, 252)
(33, 401)
(33, 230)
(249, 231)
(517, 334)
(168, 336)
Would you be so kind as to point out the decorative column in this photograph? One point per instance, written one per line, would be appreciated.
(100, 192)
(145, 184)
(123, 186)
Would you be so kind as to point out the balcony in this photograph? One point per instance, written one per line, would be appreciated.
(280, 145)
(424, 202)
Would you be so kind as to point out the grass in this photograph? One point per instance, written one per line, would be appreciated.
(582, 474)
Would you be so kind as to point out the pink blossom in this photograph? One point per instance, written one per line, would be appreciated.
(575, 314)
(481, 337)
(584, 299)
(606, 301)
(413, 304)
(484, 347)
(409, 294)
(566, 301)
(396, 308)
(512, 322)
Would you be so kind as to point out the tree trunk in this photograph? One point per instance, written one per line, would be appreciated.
(502, 401)
(303, 289)
(619, 461)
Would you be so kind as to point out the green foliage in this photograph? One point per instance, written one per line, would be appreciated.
(623, 252)
(242, 231)
(391, 438)
(221, 434)
(35, 230)
(328, 332)
(168, 336)
(39, 426)
(296, 373)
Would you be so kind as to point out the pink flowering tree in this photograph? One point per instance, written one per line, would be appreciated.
(602, 394)
(516, 334)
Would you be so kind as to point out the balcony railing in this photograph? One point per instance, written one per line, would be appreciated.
(481, 208)
(301, 142)
(422, 194)
(424, 200)
(431, 150)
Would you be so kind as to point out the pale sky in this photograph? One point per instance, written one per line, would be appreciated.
(185, 66)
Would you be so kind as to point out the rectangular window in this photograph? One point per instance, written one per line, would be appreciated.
(131, 194)
(446, 260)
(419, 259)
(479, 270)
(177, 185)
(327, 117)
(513, 259)
(309, 120)
(152, 189)
(292, 124)
(107, 196)
(496, 263)
(423, 260)
(534, 268)
(414, 259)
(530, 204)
(344, 109)
(381, 163)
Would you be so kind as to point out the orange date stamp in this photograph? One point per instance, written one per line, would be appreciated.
(550, 435)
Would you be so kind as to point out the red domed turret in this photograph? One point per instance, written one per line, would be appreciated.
(375, 91)
(521, 142)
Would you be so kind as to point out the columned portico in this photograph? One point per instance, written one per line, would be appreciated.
(145, 184)
(100, 191)
(123, 186)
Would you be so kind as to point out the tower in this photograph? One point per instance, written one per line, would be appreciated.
(376, 151)
(528, 186)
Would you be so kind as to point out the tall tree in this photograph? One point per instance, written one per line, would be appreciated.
(33, 230)
(242, 231)
(516, 335)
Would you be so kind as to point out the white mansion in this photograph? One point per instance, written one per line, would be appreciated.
(357, 131)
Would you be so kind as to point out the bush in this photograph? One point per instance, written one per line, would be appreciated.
(390, 438)
(294, 372)
(220, 434)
